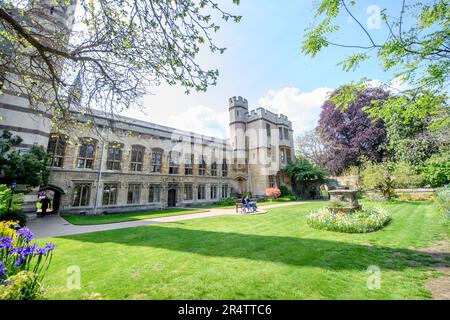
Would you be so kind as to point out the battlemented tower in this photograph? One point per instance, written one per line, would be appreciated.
(55, 18)
(263, 145)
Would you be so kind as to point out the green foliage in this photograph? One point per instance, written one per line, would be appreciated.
(285, 192)
(443, 203)
(30, 168)
(436, 170)
(303, 171)
(5, 198)
(366, 220)
(416, 52)
(22, 287)
(227, 202)
(377, 176)
(405, 176)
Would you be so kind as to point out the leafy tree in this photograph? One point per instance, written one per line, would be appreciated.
(118, 50)
(30, 168)
(417, 52)
(378, 176)
(436, 170)
(350, 134)
(310, 146)
(411, 141)
(305, 175)
(386, 176)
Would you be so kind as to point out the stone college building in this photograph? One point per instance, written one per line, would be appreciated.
(122, 164)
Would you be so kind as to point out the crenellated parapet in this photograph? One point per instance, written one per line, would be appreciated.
(238, 102)
(263, 114)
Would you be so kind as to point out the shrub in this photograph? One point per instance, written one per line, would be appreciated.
(414, 197)
(285, 192)
(22, 265)
(273, 192)
(436, 170)
(442, 198)
(227, 201)
(365, 220)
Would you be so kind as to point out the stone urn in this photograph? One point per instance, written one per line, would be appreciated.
(343, 201)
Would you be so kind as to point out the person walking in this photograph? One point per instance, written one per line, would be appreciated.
(45, 204)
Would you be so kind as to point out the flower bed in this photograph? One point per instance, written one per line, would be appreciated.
(22, 264)
(364, 220)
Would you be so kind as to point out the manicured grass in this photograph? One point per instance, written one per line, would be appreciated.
(121, 217)
(271, 256)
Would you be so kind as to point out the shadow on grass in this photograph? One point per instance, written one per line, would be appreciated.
(329, 254)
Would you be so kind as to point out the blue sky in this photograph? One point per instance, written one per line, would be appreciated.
(263, 62)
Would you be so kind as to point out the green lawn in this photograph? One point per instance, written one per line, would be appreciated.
(271, 256)
(121, 217)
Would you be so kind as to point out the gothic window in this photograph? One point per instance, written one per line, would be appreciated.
(188, 165)
(81, 194)
(214, 169)
(134, 192)
(188, 193)
(202, 167)
(201, 192)
(56, 149)
(224, 191)
(86, 154)
(224, 168)
(156, 161)
(271, 182)
(110, 194)
(213, 192)
(154, 193)
(137, 158)
(173, 162)
(114, 156)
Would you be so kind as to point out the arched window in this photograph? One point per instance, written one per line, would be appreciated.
(56, 148)
(224, 168)
(157, 160)
(86, 153)
(188, 164)
(114, 156)
(173, 162)
(137, 158)
(214, 169)
(202, 167)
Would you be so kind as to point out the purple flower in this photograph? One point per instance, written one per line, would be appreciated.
(26, 233)
(50, 246)
(2, 269)
(6, 243)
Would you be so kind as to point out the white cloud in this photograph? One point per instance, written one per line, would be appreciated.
(302, 108)
(203, 120)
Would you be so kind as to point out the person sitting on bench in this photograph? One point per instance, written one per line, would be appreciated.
(245, 205)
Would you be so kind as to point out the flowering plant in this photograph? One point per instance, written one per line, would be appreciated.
(19, 256)
(365, 220)
(273, 192)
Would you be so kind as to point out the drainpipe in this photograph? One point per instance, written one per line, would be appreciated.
(97, 191)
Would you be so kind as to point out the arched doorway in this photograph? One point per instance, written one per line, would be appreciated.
(242, 182)
(172, 198)
(54, 193)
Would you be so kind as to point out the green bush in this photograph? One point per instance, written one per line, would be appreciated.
(436, 170)
(365, 220)
(15, 211)
(16, 215)
(285, 192)
(227, 201)
(443, 202)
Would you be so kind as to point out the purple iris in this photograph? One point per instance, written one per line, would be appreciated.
(2, 269)
(26, 233)
(6, 243)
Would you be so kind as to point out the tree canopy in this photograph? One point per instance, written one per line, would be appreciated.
(29, 168)
(109, 55)
(349, 135)
(417, 53)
